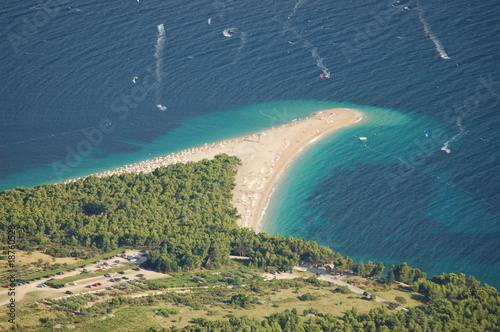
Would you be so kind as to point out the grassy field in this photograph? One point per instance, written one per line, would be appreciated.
(211, 302)
(138, 318)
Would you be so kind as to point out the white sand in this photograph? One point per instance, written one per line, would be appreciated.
(264, 157)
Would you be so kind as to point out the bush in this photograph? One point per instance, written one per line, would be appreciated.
(393, 305)
(241, 300)
(166, 312)
(342, 290)
(308, 297)
(311, 311)
(400, 299)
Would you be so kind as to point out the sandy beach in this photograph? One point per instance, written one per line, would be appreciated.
(264, 155)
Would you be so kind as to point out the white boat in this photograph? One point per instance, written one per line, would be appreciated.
(363, 138)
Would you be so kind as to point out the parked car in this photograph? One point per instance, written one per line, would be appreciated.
(121, 272)
(125, 278)
(69, 292)
(140, 275)
(108, 275)
(73, 283)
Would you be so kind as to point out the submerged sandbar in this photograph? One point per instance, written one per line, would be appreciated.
(264, 156)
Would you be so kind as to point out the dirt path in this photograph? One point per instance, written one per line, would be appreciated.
(323, 275)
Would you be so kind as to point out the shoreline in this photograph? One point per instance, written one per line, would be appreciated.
(357, 116)
(264, 155)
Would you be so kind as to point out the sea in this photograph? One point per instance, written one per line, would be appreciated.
(93, 85)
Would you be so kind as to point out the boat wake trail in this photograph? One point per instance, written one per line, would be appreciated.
(431, 35)
(306, 43)
(319, 62)
(243, 40)
(160, 45)
(232, 32)
(446, 144)
(297, 5)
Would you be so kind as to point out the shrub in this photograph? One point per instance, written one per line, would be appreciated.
(342, 290)
(308, 297)
(400, 299)
(166, 312)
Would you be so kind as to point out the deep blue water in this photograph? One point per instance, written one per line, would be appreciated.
(69, 107)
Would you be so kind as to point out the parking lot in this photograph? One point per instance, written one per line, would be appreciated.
(87, 284)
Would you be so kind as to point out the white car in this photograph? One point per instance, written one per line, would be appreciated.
(73, 283)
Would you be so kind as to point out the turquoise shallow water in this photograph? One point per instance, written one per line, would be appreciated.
(440, 213)
(191, 132)
(387, 199)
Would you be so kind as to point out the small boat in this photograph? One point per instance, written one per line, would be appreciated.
(363, 138)
(426, 133)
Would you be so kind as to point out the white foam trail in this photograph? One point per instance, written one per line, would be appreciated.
(446, 144)
(307, 44)
(319, 62)
(160, 44)
(431, 35)
(297, 5)
(243, 40)
(229, 32)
